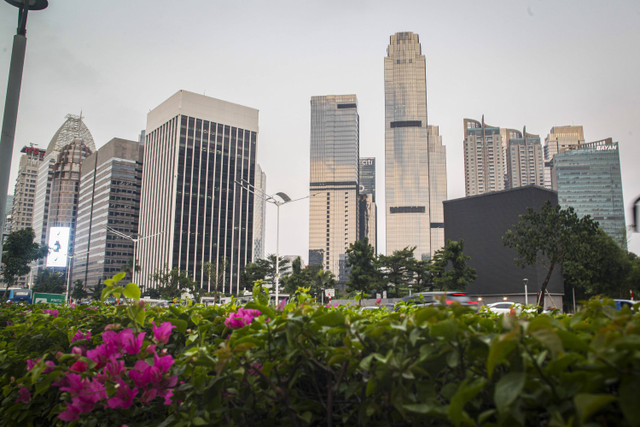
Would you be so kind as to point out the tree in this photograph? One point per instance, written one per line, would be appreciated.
(298, 278)
(173, 284)
(215, 275)
(51, 282)
(422, 276)
(365, 275)
(128, 268)
(398, 268)
(79, 291)
(321, 280)
(19, 250)
(449, 267)
(551, 237)
(265, 270)
(96, 292)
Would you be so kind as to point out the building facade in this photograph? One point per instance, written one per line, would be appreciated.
(589, 180)
(367, 209)
(484, 158)
(259, 214)
(108, 207)
(558, 140)
(193, 208)
(334, 152)
(414, 172)
(524, 161)
(73, 129)
(481, 221)
(24, 193)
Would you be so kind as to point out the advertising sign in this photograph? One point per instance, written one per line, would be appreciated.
(58, 246)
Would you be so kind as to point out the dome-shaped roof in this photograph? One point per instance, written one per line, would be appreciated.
(71, 129)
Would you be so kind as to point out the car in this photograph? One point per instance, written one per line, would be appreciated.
(625, 303)
(502, 307)
(423, 299)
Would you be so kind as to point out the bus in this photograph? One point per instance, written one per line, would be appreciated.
(19, 295)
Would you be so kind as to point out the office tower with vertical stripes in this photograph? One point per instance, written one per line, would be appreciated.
(415, 159)
(193, 207)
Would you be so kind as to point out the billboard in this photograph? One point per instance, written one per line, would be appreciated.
(58, 246)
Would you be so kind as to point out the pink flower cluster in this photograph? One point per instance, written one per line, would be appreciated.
(110, 375)
(52, 313)
(241, 318)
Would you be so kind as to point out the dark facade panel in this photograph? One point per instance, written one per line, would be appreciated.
(481, 221)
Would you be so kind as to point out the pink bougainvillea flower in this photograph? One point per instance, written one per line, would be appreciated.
(124, 396)
(163, 332)
(31, 363)
(378, 301)
(101, 355)
(70, 414)
(131, 344)
(281, 305)
(24, 395)
(79, 366)
(241, 318)
(52, 313)
(151, 349)
(85, 394)
(50, 365)
(81, 336)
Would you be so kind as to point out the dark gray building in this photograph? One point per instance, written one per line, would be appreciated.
(367, 210)
(481, 221)
(109, 203)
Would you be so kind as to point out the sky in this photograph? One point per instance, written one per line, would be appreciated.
(538, 64)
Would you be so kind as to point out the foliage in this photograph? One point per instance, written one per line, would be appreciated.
(215, 274)
(19, 250)
(449, 268)
(79, 292)
(397, 268)
(96, 291)
(552, 237)
(365, 275)
(265, 270)
(305, 364)
(172, 285)
(49, 282)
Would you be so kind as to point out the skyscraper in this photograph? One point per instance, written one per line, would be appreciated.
(259, 214)
(25, 190)
(484, 158)
(109, 197)
(524, 161)
(72, 129)
(559, 140)
(333, 219)
(414, 163)
(367, 209)
(192, 209)
(588, 179)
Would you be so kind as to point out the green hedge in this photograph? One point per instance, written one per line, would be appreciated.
(308, 364)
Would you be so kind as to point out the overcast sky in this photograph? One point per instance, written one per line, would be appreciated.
(537, 64)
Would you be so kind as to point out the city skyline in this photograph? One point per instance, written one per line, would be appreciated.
(115, 62)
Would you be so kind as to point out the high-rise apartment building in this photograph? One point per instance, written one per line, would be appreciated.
(559, 140)
(524, 161)
(193, 208)
(589, 180)
(25, 190)
(259, 214)
(414, 163)
(73, 129)
(108, 207)
(333, 218)
(367, 209)
(484, 158)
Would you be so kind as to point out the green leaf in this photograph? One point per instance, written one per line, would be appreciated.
(332, 318)
(587, 404)
(181, 325)
(508, 389)
(464, 394)
(118, 277)
(549, 339)
(446, 329)
(628, 399)
(500, 348)
(199, 421)
(131, 291)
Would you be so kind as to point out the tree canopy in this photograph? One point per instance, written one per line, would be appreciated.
(19, 250)
(450, 269)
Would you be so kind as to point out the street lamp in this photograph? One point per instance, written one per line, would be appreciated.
(281, 199)
(525, 281)
(135, 242)
(12, 99)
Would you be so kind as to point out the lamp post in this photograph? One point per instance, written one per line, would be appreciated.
(281, 199)
(135, 242)
(12, 100)
(525, 281)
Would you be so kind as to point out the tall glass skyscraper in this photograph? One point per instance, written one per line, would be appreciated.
(415, 164)
(192, 209)
(335, 140)
(558, 140)
(367, 210)
(589, 180)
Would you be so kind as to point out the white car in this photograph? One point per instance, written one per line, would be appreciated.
(503, 307)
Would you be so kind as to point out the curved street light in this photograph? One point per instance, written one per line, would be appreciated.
(12, 100)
